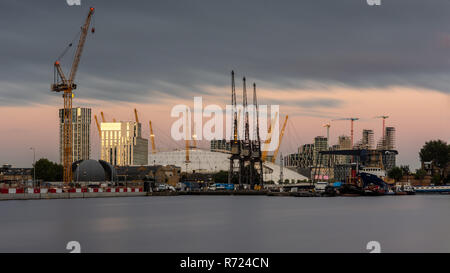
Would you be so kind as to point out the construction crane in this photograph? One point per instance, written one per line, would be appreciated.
(351, 128)
(152, 137)
(103, 117)
(235, 143)
(136, 115)
(256, 146)
(279, 140)
(66, 85)
(269, 138)
(98, 126)
(239, 119)
(328, 125)
(384, 124)
(188, 132)
(194, 141)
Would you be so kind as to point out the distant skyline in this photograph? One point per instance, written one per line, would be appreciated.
(319, 60)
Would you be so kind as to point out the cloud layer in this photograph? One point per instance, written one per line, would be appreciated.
(148, 50)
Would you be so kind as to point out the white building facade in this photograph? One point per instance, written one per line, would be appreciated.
(122, 144)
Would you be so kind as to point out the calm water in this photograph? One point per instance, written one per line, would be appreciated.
(418, 223)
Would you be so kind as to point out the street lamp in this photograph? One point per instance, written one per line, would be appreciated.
(34, 165)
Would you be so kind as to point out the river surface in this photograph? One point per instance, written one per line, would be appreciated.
(418, 223)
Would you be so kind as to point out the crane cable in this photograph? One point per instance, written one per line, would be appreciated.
(69, 46)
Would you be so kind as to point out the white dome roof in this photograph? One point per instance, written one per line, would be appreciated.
(207, 162)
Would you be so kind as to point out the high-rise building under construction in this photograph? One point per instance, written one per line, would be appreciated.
(81, 127)
(367, 141)
(387, 143)
(345, 143)
(320, 144)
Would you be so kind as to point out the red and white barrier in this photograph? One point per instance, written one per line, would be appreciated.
(71, 190)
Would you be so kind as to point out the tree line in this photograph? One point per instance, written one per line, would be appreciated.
(437, 152)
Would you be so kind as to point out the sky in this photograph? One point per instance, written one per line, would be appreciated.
(319, 60)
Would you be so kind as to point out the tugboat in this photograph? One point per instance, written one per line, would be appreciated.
(373, 185)
(374, 190)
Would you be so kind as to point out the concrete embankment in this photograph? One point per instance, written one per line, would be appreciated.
(67, 195)
(71, 195)
(219, 192)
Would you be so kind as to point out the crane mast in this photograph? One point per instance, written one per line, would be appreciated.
(256, 147)
(188, 133)
(98, 126)
(279, 140)
(384, 125)
(234, 141)
(269, 138)
(152, 137)
(62, 84)
(136, 115)
(352, 120)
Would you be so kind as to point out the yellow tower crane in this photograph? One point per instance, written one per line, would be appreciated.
(188, 132)
(152, 137)
(98, 126)
(136, 115)
(103, 117)
(279, 140)
(67, 85)
(269, 138)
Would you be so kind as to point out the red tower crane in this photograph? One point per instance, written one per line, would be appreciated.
(351, 127)
(384, 124)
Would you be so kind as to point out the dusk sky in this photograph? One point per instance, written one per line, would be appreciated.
(319, 60)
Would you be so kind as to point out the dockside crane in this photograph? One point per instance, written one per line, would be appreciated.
(235, 143)
(67, 85)
(246, 145)
(256, 146)
(280, 139)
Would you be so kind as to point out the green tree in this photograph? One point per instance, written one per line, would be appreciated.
(396, 173)
(420, 174)
(436, 179)
(438, 152)
(48, 171)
